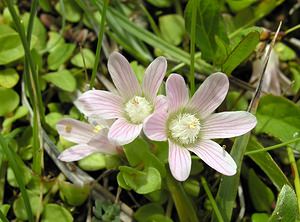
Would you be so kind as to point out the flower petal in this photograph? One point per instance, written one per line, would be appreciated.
(123, 76)
(100, 102)
(77, 152)
(215, 156)
(154, 76)
(102, 143)
(210, 94)
(228, 124)
(179, 161)
(75, 131)
(161, 104)
(177, 92)
(122, 132)
(155, 127)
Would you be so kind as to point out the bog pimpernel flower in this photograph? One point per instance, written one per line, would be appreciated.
(190, 125)
(134, 103)
(89, 138)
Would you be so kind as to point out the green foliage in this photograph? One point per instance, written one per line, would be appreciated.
(62, 79)
(69, 9)
(265, 161)
(9, 101)
(286, 206)
(261, 195)
(72, 194)
(278, 117)
(93, 162)
(106, 212)
(172, 28)
(60, 54)
(84, 59)
(11, 48)
(57, 213)
(209, 25)
(8, 78)
(242, 51)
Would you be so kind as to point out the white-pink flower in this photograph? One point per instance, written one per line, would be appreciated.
(89, 138)
(134, 103)
(190, 125)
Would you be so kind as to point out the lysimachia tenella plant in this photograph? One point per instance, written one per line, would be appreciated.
(134, 103)
(188, 125)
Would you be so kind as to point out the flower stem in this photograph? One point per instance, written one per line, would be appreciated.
(295, 174)
(280, 145)
(99, 43)
(292, 29)
(211, 199)
(185, 208)
(192, 47)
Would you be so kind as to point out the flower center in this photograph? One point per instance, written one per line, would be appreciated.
(185, 128)
(137, 109)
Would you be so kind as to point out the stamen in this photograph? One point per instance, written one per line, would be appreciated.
(137, 109)
(68, 128)
(185, 128)
(97, 128)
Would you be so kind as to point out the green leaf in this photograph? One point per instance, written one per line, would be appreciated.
(24, 170)
(278, 117)
(286, 209)
(259, 217)
(295, 70)
(239, 5)
(53, 118)
(9, 101)
(72, 194)
(62, 79)
(35, 202)
(8, 78)
(70, 10)
(147, 210)
(39, 31)
(89, 59)
(265, 161)
(138, 153)
(11, 48)
(7, 123)
(284, 52)
(229, 184)
(55, 40)
(261, 196)
(241, 52)
(234, 101)
(209, 24)
(172, 28)
(93, 162)
(56, 213)
(60, 55)
(142, 182)
(160, 3)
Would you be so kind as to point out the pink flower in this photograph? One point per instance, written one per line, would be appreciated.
(134, 103)
(189, 125)
(89, 138)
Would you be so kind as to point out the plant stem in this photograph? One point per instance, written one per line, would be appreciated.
(184, 206)
(292, 29)
(99, 43)
(295, 173)
(211, 199)
(192, 47)
(280, 145)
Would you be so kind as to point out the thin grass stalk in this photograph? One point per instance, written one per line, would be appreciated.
(99, 43)
(11, 156)
(280, 145)
(295, 171)
(211, 199)
(192, 47)
(3, 218)
(32, 82)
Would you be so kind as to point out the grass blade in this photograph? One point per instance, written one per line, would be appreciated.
(12, 157)
(99, 43)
